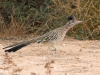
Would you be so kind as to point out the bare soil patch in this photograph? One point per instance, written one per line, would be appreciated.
(73, 57)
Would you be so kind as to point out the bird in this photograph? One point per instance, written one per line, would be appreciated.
(52, 37)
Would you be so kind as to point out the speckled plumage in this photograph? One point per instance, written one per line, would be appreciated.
(52, 37)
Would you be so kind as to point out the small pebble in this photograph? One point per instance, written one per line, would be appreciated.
(44, 57)
(94, 51)
(55, 68)
(31, 62)
(64, 44)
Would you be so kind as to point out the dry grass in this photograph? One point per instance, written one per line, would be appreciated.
(9, 66)
(48, 66)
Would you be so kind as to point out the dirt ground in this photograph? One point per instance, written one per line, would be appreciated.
(73, 57)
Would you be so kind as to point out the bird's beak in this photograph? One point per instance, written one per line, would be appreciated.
(79, 21)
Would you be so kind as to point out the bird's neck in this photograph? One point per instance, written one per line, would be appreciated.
(68, 26)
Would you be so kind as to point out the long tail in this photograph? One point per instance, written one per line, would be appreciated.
(15, 47)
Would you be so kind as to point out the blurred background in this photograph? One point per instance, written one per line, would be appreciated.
(36, 17)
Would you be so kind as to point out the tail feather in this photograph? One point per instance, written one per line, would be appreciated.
(14, 49)
(13, 45)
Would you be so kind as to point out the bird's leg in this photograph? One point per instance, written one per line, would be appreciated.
(55, 49)
(52, 48)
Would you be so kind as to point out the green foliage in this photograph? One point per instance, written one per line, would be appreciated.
(20, 17)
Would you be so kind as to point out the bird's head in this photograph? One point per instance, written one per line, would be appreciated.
(72, 20)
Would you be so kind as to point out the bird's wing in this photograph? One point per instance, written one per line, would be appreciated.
(52, 35)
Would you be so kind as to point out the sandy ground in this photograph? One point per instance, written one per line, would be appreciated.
(73, 57)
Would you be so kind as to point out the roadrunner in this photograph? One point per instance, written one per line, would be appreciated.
(53, 37)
